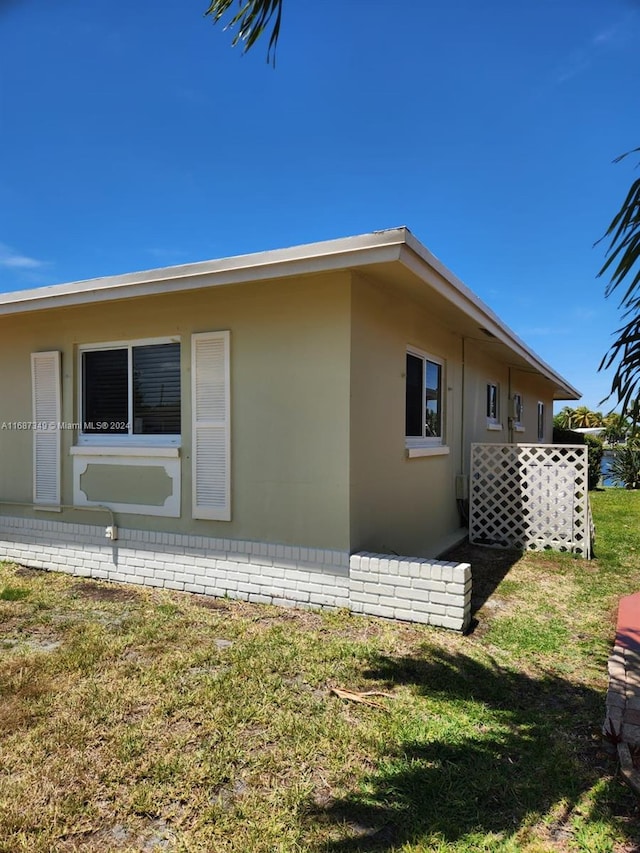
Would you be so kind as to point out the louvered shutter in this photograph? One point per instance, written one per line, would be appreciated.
(211, 428)
(45, 385)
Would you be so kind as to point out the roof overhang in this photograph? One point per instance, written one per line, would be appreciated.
(394, 249)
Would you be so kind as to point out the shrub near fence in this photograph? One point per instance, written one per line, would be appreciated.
(624, 469)
(595, 450)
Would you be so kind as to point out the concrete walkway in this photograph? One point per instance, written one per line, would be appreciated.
(622, 721)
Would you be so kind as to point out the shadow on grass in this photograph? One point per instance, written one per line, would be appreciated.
(489, 566)
(520, 746)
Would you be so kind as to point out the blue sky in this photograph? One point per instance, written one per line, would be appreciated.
(133, 136)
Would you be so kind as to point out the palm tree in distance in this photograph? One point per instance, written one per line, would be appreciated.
(584, 418)
(616, 427)
(564, 418)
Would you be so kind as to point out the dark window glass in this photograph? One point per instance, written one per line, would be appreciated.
(433, 413)
(414, 386)
(105, 391)
(518, 407)
(492, 402)
(156, 389)
(155, 392)
(540, 421)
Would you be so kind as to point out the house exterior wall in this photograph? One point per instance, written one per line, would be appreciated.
(481, 368)
(408, 505)
(290, 344)
(398, 504)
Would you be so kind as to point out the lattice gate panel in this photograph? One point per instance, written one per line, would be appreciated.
(531, 496)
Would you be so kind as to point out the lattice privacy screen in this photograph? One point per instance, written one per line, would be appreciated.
(531, 496)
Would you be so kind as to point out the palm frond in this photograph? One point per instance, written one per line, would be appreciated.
(251, 20)
(623, 265)
(626, 352)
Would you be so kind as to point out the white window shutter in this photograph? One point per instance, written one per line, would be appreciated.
(45, 386)
(211, 437)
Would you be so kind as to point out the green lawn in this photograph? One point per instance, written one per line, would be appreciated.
(134, 719)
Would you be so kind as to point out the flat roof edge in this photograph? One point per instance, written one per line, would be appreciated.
(347, 251)
(470, 302)
(392, 244)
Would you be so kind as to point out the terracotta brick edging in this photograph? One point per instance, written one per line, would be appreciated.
(622, 721)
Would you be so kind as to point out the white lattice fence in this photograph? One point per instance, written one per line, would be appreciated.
(531, 496)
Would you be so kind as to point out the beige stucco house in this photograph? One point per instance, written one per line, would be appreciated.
(263, 426)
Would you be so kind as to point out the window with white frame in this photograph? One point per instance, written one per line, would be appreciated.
(518, 412)
(540, 421)
(424, 417)
(493, 406)
(130, 392)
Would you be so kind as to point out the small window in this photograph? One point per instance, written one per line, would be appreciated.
(132, 392)
(493, 406)
(540, 421)
(518, 412)
(424, 416)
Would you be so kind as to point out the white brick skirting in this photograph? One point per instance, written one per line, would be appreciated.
(416, 590)
(428, 591)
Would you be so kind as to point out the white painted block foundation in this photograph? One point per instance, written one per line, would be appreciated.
(411, 589)
(416, 590)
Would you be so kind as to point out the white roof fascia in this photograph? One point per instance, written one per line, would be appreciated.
(377, 247)
(346, 252)
(415, 256)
